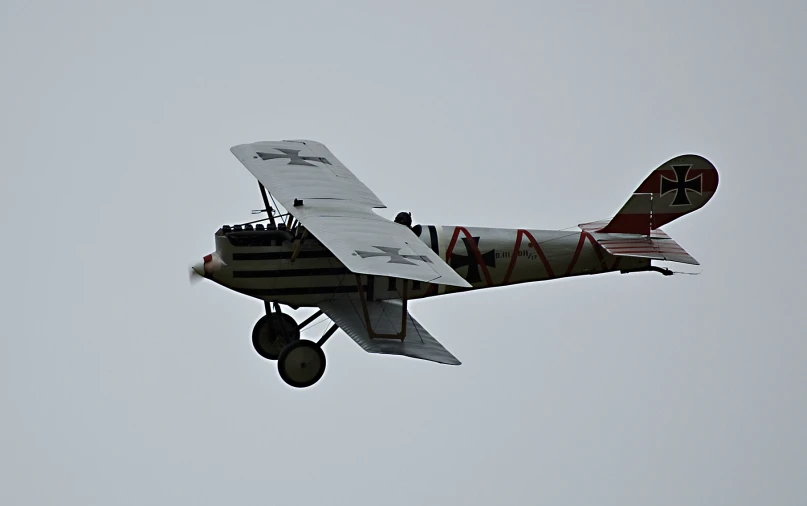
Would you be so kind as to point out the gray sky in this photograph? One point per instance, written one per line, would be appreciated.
(121, 384)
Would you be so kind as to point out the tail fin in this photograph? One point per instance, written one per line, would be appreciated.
(680, 186)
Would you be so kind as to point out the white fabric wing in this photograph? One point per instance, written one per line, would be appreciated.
(385, 317)
(337, 209)
(303, 170)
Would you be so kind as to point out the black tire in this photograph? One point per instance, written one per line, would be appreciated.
(268, 339)
(301, 363)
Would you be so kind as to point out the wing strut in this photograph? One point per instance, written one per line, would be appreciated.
(370, 332)
(269, 210)
(299, 246)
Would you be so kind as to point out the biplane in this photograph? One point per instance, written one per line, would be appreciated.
(330, 250)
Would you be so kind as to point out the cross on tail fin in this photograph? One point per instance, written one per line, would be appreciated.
(680, 186)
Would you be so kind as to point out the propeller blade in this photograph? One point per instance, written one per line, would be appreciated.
(196, 273)
(193, 276)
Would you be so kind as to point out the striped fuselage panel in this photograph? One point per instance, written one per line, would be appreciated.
(485, 257)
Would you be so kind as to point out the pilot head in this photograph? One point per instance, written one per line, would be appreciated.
(404, 218)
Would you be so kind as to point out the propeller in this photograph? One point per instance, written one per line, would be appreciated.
(193, 276)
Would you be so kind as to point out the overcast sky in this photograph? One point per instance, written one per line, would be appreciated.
(121, 384)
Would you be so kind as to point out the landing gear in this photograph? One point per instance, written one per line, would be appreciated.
(272, 332)
(301, 363)
(276, 336)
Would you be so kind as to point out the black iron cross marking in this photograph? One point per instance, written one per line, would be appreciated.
(394, 256)
(470, 261)
(294, 157)
(681, 184)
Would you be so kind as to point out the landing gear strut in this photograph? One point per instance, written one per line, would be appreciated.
(273, 331)
(276, 336)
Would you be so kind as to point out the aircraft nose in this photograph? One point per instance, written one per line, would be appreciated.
(209, 265)
(207, 268)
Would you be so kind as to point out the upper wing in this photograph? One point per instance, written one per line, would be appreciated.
(338, 209)
(386, 317)
(303, 170)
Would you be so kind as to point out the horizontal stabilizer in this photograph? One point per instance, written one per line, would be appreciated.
(657, 246)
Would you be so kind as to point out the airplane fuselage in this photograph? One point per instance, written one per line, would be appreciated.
(259, 263)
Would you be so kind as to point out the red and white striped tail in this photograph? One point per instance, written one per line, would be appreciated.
(680, 186)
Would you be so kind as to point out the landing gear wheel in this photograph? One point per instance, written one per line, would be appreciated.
(301, 363)
(268, 335)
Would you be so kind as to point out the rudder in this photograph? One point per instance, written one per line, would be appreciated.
(679, 186)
